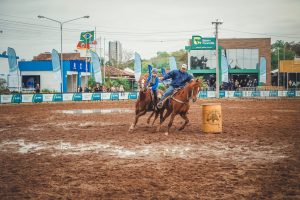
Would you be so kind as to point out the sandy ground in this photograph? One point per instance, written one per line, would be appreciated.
(54, 151)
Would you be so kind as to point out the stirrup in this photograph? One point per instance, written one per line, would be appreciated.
(160, 105)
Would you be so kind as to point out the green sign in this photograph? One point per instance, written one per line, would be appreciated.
(201, 43)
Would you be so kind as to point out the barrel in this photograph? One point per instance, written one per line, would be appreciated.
(211, 118)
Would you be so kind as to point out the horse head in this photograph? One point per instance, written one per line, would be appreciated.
(142, 84)
(195, 88)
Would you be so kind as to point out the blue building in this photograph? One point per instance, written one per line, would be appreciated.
(76, 72)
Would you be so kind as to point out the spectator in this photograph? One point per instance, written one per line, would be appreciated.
(86, 90)
(37, 88)
(121, 89)
(98, 88)
(113, 89)
(79, 89)
(255, 83)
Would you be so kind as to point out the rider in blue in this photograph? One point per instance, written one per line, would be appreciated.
(179, 79)
(152, 82)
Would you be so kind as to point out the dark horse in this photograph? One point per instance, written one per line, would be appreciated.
(180, 104)
(144, 104)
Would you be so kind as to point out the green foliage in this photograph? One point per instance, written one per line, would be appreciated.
(204, 84)
(48, 91)
(121, 81)
(2, 83)
(286, 52)
(161, 87)
(91, 82)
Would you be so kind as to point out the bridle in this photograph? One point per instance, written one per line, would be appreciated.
(188, 97)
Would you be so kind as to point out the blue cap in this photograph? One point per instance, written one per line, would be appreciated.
(154, 70)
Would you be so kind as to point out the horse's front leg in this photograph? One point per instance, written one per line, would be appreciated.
(170, 123)
(136, 120)
(184, 116)
(163, 118)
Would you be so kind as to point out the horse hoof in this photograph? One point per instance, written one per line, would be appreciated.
(166, 133)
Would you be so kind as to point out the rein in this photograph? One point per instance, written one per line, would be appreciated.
(188, 97)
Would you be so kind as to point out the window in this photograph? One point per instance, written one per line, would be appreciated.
(30, 81)
(242, 58)
(203, 59)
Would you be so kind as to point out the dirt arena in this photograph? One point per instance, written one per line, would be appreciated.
(48, 153)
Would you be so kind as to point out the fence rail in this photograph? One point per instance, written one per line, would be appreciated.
(37, 98)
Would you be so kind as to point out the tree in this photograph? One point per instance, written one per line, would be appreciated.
(285, 52)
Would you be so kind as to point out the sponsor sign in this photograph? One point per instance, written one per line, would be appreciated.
(37, 98)
(27, 98)
(77, 97)
(48, 97)
(87, 96)
(68, 97)
(57, 97)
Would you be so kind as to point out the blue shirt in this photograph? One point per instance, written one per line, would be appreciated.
(153, 82)
(179, 78)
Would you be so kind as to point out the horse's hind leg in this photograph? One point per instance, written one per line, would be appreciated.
(156, 116)
(148, 120)
(136, 120)
(170, 123)
(185, 122)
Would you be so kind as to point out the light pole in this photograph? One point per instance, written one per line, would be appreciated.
(217, 23)
(61, 50)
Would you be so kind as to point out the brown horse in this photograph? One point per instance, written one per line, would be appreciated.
(143, 103)
(179, 104)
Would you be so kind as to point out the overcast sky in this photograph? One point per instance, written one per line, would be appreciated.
(144, 26)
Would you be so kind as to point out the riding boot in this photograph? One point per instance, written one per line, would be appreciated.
(155, 99)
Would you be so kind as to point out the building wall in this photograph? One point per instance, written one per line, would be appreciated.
(115, 51)
(47, 79)
(262, 44)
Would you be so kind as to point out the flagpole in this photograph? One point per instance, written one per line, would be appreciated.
(104, 62)
(86, 62)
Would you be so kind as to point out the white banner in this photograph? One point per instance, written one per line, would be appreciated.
(264, 93)
(230, 94)
(47, 97)
(105, 96)
(211, 94)
(297, 93)
(27, 98)
(282, 93)
(123, 95)
(6, 98)
(68, 97)
(87, 96)
(247, 93)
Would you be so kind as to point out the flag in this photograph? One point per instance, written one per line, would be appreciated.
(172, 63)
(83, 45)
(262, 70)
(56, 65)
(137, 66)
(96, 67)
(12, 60)
(149, 70)
(224, 68)
(87, 37)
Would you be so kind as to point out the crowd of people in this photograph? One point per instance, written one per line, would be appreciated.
(233, 84)
(101, 88)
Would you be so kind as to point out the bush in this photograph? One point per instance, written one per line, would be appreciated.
(91, 82)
